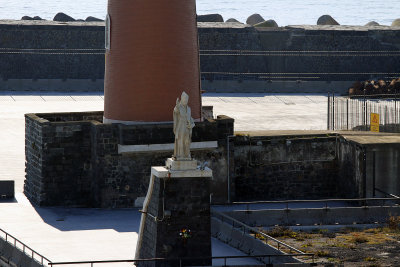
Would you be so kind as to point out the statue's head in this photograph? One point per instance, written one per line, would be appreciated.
(184, 98)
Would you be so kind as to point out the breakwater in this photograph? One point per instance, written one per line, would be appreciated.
(69, 56)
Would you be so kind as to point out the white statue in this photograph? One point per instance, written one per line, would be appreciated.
(183, 125)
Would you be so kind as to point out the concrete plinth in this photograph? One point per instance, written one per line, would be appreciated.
(181, 165)
(176, 201)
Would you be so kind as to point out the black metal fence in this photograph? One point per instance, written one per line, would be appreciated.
(18, 245)
(354, 113)
(179, 262)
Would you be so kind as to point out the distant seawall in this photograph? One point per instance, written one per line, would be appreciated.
(54, 56)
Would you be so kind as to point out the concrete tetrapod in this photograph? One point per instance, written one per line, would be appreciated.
(210, 18)
(396, 23)
(63, 17)
(372, 23)
(267, 24)
(254, 19)
(327, 20)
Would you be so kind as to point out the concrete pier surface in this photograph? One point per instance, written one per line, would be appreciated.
(271, 111)
(67, 234)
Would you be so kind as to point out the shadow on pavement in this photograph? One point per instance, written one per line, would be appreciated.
(79, 219)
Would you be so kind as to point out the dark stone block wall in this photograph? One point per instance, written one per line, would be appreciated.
(188, 201)
(120, 179)
(291, 167)
(33, 155)
(72, 159)
(51, 50)
(293, 53)
(368, 166)
(352, 168)
(75, 51)
(58, 154)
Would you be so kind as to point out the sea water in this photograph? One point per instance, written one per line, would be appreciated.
(284, 12)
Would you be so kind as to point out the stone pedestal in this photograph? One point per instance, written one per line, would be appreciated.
(180, 165)
(178, 200)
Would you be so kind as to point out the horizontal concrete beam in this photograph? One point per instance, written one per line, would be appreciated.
(162, 172)
(164, 147)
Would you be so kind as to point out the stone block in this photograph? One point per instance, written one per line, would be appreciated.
(180, 165)
(7, 189)
(176, 219)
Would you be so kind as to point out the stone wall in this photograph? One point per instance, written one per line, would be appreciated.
(58, 155)
(387, 170)
(358, 168)
(51, 50)
(351, 161)
(285, 167)
(282, 61)
(313, 167)
(72, 159)
(123, 178)
(381, 173)
(33, 156)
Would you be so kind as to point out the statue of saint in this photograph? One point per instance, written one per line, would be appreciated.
(183, 125)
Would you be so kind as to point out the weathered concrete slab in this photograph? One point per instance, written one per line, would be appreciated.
(374, 139)
(164, 147)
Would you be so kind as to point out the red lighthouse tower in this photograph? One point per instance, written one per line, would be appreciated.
(151, 57)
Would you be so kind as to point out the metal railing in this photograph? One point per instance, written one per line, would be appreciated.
(386, 193)
(394, 200)
(25, 249)
(257, 233)
(354, 113)
(178, 261)
(181, 261)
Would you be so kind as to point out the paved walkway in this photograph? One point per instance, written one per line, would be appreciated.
(81, 234)
(271, 112)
